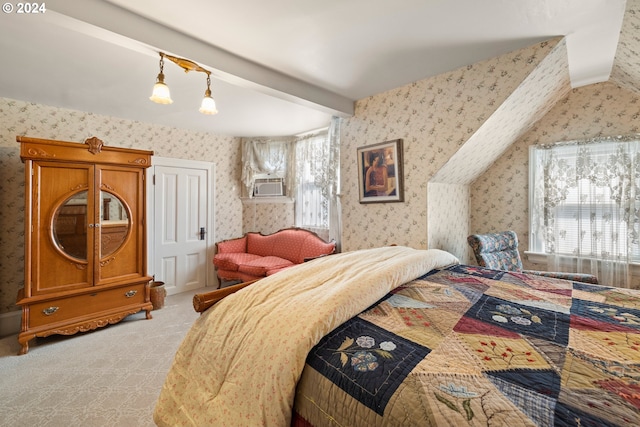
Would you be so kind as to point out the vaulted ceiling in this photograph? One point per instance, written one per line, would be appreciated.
(286, 66)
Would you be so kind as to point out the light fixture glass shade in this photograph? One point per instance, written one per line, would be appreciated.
(160, 94)
(208, 105)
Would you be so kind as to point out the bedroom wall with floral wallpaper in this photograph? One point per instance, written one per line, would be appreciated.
(448, 218)
(267, 218)
(23, 118)
(434, 117)
(499, 197)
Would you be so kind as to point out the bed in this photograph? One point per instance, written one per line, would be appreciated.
(396, 336)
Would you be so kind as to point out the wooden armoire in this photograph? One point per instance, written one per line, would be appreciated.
(85, 236)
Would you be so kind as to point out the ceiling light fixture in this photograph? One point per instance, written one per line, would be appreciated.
(161, 93)
(208, 105)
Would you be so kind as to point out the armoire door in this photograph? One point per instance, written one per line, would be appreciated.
(119, 224)
(62, 193)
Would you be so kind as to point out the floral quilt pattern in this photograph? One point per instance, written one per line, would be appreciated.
(366, 361)
(487, 347)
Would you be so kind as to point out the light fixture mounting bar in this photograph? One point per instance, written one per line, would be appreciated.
(185, 64)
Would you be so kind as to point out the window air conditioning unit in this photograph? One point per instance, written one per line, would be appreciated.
(268, 187)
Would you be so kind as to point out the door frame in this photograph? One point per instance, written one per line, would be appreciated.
(210, 277)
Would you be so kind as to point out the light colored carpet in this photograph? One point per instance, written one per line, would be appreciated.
(108, 377)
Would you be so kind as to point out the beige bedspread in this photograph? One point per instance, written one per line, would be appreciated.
(241, 360)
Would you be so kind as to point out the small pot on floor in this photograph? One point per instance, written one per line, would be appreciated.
(157, 294)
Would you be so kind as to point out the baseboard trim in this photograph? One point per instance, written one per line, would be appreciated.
(10, 323)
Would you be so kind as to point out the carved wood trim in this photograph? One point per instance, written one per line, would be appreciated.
(79, 187)
(139, 161)
(95, 144)
(90, 325)
(39, 153)
(78, 265)
(106, 261)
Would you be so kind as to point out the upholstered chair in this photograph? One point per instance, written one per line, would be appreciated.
(499, 251)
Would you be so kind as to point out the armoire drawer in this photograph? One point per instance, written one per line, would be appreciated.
(68, 308)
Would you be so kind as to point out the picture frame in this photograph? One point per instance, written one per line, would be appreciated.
(382, 183)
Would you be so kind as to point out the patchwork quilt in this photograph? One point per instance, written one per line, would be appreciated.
(241, 360)
(464, 345)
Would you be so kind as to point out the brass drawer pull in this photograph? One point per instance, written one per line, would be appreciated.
(130, 294)
(49, 311)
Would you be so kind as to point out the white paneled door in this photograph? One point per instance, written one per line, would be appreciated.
(182, 224)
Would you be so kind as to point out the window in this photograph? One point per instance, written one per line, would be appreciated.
(585, 199)
(264, 159)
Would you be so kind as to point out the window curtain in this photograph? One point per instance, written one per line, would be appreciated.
(585, 209)
(311, 191)
(317, 170)
(335, 208)
(266, 156)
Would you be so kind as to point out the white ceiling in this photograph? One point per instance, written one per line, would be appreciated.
(279, 67)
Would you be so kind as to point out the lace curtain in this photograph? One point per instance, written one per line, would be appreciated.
(312, 184)
(261, 156)
(317, 171)
(335, 209)
(585, 208)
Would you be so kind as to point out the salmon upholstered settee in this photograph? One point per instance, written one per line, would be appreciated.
(256, 255)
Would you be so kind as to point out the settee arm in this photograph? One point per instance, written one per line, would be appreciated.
(237, 245)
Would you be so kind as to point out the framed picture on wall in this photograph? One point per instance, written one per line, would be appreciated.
(380, 172)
